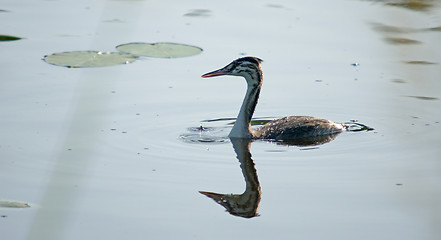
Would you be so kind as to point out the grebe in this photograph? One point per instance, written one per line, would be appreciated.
(283, 129)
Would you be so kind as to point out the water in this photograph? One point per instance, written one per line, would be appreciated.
(98, 153)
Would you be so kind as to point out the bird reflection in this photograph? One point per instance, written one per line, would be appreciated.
(310, 141)
(246, 204)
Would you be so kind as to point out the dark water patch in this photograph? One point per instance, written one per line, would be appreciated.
(423, 98)
(198, 13)
(6, 38)
(275, 6)
(402, 41)
(115, 20)
(420, 62)
(398, 81)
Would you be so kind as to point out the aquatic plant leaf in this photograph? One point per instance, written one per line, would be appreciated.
(418, 5)
(7, 204)
(159, 50)
(83, 59)
(394, 40)
(8, 38)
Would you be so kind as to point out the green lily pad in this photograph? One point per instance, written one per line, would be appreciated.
(83, 59)
(159, 50)
(8, 38)
(7, 204)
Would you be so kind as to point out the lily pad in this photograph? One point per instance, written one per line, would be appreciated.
(394, 40)
(7, 204)
(83, 59)
(418, 5)
(159, 50)
(8, 38)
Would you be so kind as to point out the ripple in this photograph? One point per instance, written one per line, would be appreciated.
(206, 135)
(217, 134)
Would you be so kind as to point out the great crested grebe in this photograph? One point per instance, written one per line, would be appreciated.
(282, 129)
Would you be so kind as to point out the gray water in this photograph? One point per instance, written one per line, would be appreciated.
(98, 153)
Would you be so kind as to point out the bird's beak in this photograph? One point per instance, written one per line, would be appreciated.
(219, 72)
(215, 196)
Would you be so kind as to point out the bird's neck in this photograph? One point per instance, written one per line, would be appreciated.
(242, 126)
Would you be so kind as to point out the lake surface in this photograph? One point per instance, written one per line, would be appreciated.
(99, 153)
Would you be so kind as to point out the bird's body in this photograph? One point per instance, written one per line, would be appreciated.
(295, 127)
(283, 129)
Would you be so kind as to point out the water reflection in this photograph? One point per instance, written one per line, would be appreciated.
(246, 204)
(312, 141)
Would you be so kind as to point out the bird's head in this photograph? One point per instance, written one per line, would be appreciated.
(248, 67)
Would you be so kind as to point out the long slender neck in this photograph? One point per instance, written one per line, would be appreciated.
(242, 126)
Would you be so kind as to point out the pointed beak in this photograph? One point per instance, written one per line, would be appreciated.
(219, 72)
(215, 196)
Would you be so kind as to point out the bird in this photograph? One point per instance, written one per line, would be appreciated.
(282, 129)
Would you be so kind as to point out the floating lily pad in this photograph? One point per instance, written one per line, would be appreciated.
(159, 50)
(7, 204)
(8, 38)
(418, 5)
(83, 59)
(394, 40)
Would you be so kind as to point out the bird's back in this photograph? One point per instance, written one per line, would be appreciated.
(296, 127)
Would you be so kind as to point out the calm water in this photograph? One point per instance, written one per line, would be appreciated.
(97, 153)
